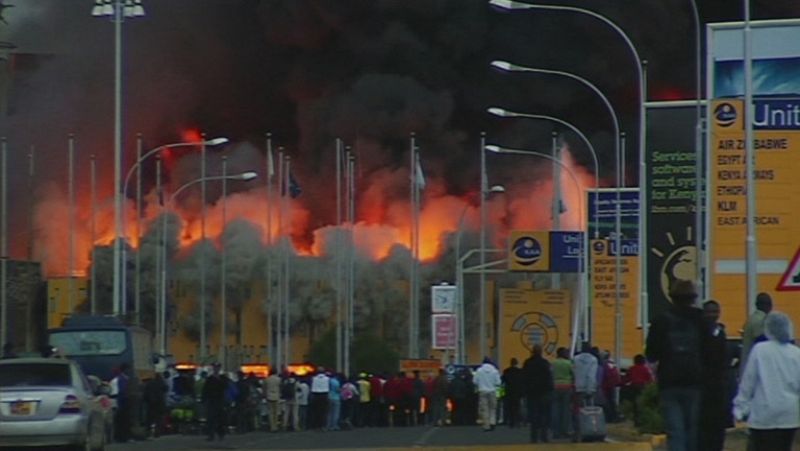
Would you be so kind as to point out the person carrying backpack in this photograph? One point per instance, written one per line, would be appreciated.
(676, 342)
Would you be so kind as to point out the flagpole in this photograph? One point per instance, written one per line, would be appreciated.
(157, 287)
(556, 211)
(268, 284)
(92, 223)
(138, 280)
(482, 278)
(223, 278)
(287, 264)
(203, 306)
(71, 190)
(279, 298)
(417, 204)
(338, 254)
(351, 258)
(413, 198)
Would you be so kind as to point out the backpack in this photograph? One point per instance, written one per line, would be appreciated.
(684, 358)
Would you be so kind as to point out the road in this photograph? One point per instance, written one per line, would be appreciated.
(501, 439)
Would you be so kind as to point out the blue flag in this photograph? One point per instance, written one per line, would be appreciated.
(294, 188)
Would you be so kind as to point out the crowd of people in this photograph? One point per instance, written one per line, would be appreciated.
(687, 354)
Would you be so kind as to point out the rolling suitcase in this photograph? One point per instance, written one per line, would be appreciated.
(591, 423)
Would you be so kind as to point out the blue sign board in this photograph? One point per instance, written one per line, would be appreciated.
(602, 212)
(565, 251)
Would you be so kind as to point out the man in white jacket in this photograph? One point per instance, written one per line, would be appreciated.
(585, 371)
(487, 379)
(769, 392)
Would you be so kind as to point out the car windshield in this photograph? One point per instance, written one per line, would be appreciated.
(35, 374)
(89, 342)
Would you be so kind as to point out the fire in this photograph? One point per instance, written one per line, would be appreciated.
(382, 223)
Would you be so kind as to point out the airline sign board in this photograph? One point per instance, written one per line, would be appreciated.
(776, 141)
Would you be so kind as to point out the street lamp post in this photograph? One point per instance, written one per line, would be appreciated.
(511, 4)
(581, 260)
(116, 8)
(506, 113)
(459, 281)
(244, 176)
(503, 65)
(136, 167)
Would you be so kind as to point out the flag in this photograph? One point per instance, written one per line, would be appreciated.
(294, 188)
(160, 193)
(420, 176)
(270, 163)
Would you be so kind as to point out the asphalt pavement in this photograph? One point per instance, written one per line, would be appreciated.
(400, 438)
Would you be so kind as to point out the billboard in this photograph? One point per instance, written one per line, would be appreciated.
(542, 251)
(445, 331)
(529, 317)
(670, 192)
(602, 212)
(604, 295)
(776, 125)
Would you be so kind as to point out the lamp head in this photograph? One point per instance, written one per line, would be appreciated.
(499, 112)
(497, 189)
(493, 148)
(216, 141)
(509, 4)
(247, 176)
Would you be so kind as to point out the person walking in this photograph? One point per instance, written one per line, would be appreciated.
(677, 341)
(585, 368)
(563, 381)
(120, 393)
(487, 380)
(272, 390)
(513, 382)
(609, 383)
(457, 392)
(214, 399)
(769, 392)
(539, 384)
(320, 386)
(715, 405)
(754, 327)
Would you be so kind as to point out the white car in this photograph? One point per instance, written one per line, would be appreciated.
(46, 402)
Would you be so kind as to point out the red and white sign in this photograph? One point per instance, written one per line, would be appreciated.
(791, 278)
(445, 331)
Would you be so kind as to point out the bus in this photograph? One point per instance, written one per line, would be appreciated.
(100, 344)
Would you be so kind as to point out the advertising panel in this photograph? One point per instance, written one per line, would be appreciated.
(542, 251)
(529, 251)
(602, 212)
(671, 203)
(776, 125)
(445, 331)
(604, 288)
(529, 317)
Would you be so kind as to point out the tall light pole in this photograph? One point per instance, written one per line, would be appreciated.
(224, 269)
(4, 242)
(512, 5)
(503, 65)
(71, 221)
(339, 254)
(501, 112)
(118, 9)
(581, 211)
(750, 165)
(170, 205)
(459, 282)
(482, 276)
(93, 276)
(698, 152)
(136, 167)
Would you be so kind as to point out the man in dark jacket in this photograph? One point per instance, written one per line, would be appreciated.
(214, 398)
(677, 342)
(538, 380)
(715, 408)
(513, 380)
(155, 393)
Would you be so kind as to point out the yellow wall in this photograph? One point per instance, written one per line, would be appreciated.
(58, 289)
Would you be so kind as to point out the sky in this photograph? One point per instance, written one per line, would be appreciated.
(308, 71)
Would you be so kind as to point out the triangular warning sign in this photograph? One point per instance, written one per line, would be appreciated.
(791, 278)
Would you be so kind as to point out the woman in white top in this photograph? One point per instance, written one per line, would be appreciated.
(769, 392)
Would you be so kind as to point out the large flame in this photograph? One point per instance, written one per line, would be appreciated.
(380, 226)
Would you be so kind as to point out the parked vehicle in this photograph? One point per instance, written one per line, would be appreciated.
(100, 344)
(47, 402)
